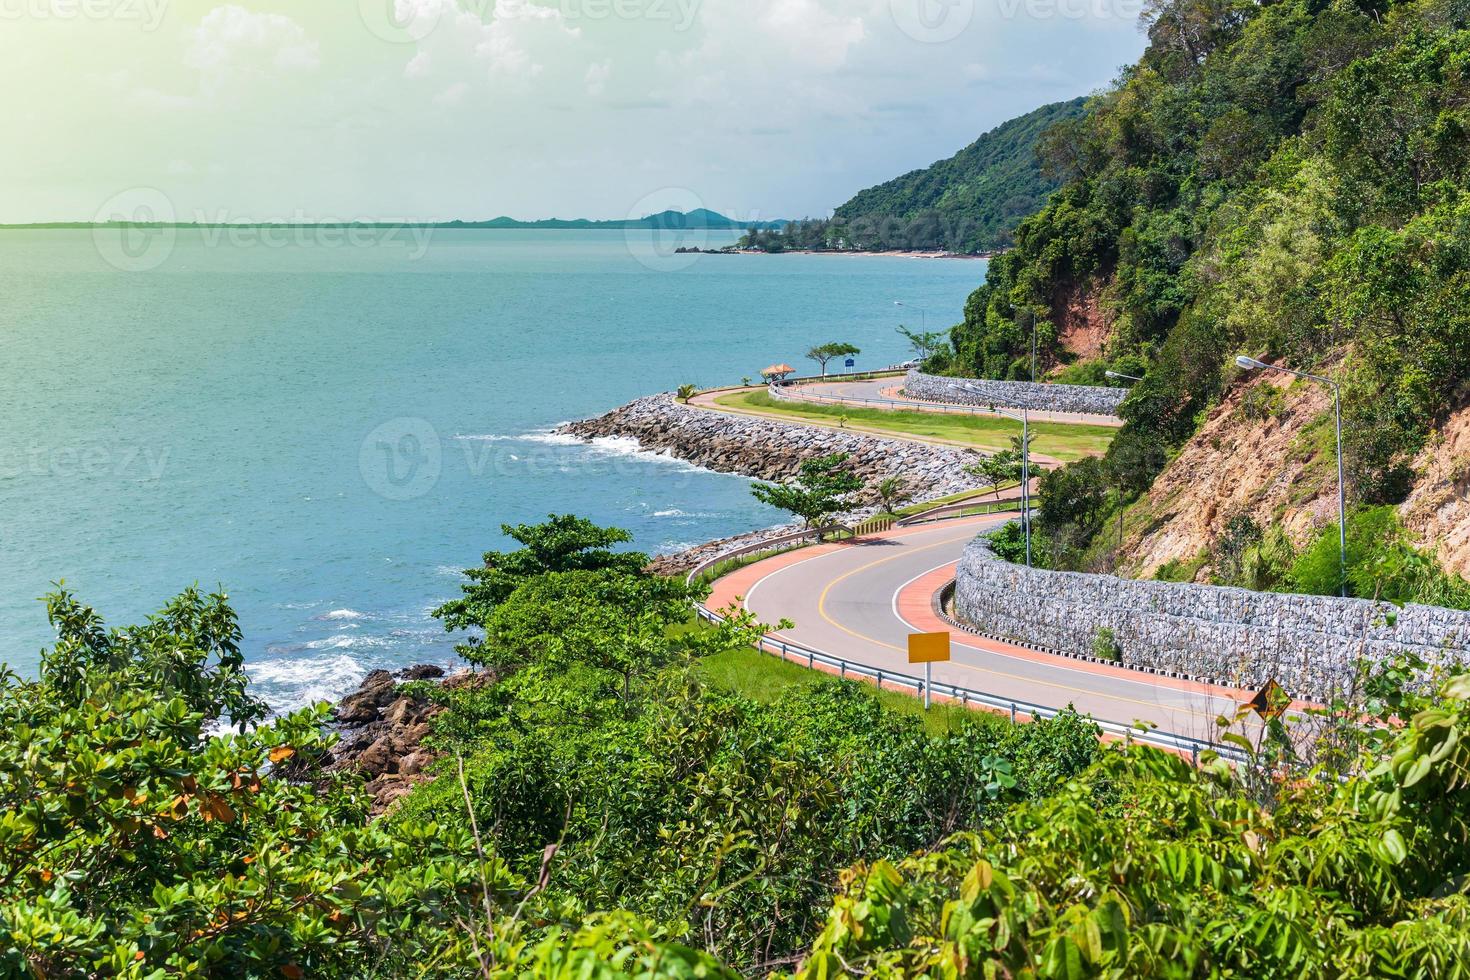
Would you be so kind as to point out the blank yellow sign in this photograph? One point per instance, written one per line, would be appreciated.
(928, 648)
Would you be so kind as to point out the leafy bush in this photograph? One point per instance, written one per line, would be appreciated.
(1105, 645)
(1381, 564)
(134, 844)
(1147, 867)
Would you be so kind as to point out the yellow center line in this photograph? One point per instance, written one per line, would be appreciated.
(822, 611)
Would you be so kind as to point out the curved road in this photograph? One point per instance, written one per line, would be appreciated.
(861, 600)
(885, 393)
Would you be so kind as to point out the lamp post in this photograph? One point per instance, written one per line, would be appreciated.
(1251, 364)
(1121, 377)
(1025, 419)
(923, 314)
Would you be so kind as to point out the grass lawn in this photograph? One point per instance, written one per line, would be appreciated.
(1061, 440)
(762, 677)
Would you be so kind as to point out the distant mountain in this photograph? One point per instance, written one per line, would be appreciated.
(970, 202)
(699, 218)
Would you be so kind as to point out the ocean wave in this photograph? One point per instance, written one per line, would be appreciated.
(341, 614)
(290, 683)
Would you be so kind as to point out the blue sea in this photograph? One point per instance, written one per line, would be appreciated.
(330, 426)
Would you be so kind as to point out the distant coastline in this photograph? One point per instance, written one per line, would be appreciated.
(697, 220)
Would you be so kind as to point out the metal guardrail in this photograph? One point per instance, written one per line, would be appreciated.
(961, 508)
(966, 697)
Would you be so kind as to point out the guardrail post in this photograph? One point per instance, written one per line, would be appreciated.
(1013, 712)
(810, 660)
(1194, 755)
(880, 680)
(842, 669)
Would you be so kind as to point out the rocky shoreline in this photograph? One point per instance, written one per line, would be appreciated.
(383, 730)
(772, 449)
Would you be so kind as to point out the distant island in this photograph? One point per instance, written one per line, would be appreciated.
(699, 218)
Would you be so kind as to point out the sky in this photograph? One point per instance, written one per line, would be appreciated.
(336, 110)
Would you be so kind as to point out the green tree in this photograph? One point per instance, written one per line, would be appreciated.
(563, 543)
(1074, 499)
(997, 470)
(892, 492)
(687, 392)
(826, 352)
(608, 620)
(924, 345)
(821, 489)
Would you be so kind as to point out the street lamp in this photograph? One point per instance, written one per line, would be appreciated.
(1251, 364)
(1025, 419)
(923, 314)
(1121, 377)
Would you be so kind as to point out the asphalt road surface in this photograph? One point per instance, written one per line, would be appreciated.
(861, 600)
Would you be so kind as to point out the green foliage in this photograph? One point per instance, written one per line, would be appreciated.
(1147, 867)
(1009, 543)
(892, 492)
(997, 470)
(924, 345)
(1381, 564)
(564, 543)
(1074, 500)
(820, 490)
(1288, 179)
(1105, 645)
(970, 202)
(687, 392)
(132, 844)
(726, 818)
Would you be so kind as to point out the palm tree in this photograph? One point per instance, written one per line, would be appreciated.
(892, 493)
(686, 392)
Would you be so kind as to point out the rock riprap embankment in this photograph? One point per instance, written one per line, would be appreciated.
(1081, 399)
(1309, 644)
(770, 449)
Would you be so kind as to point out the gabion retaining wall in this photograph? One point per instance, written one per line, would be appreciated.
(1309, 644)
(1015, 394)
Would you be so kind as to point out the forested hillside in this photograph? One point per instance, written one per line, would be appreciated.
(970, 202)
(1282, 180)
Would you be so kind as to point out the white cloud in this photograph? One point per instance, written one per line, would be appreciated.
(808, 29)
(453, 95)
(233, 41)
(597, 75)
